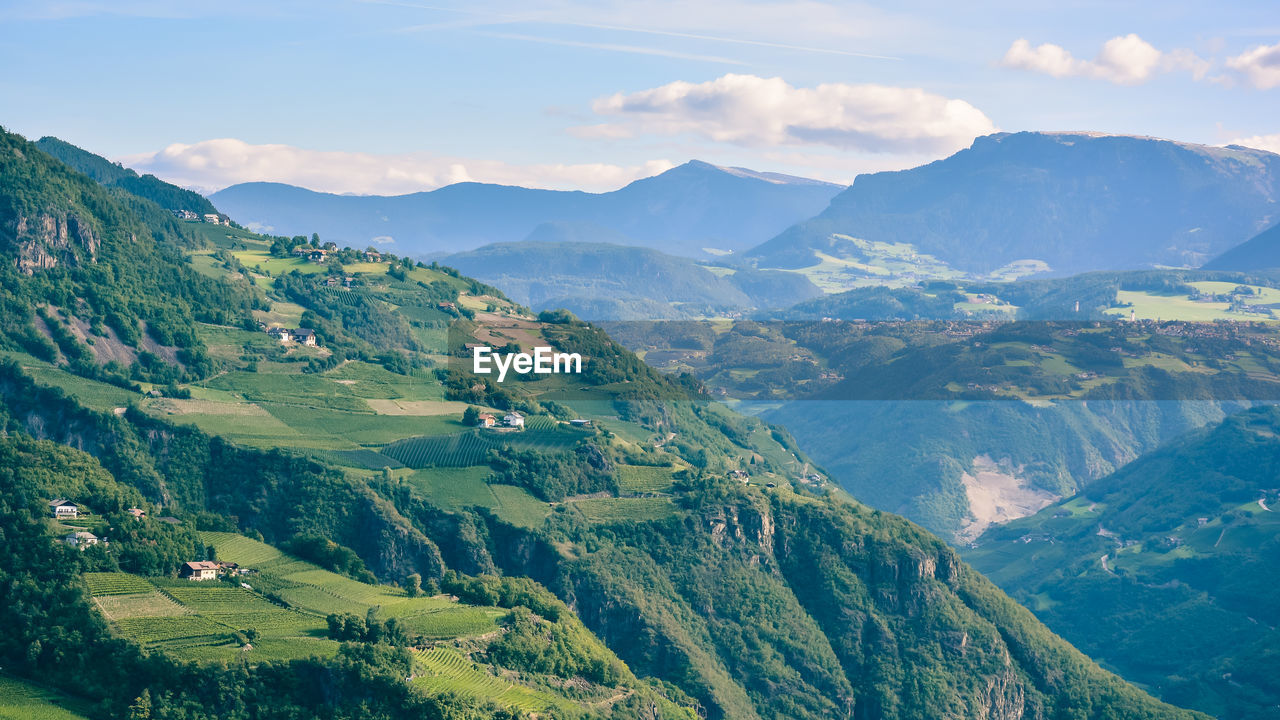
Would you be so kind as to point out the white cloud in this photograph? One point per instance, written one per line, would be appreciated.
(1259, 65)
(766, 112)
(1270, 143)
(213, 164)
(1124, 60)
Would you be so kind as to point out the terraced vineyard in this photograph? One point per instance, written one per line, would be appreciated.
(115, 583)
(199, 620)
(445, 670)
(469, 448)
(313, 590)
(237, 608)
(459, 450)
(622, 510)
(638, 478)
(452, 622)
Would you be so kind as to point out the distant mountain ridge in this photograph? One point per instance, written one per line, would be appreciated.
(1078, 201)
(602, 281)
(681, 211)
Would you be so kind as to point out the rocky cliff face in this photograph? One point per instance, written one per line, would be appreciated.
(45, 240)
(781, 606)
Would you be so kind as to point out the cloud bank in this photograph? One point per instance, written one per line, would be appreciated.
(215, 164)
(767, 112)
(1259, 65)
(1123, 60)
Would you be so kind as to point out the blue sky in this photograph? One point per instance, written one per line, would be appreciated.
(395, 96)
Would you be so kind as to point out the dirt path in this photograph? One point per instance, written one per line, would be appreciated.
(1106, 567)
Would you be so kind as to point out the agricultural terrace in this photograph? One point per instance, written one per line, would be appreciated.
(445, 670)
(275, 612)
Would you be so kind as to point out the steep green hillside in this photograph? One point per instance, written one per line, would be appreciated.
(148, 187)
(1165, 570)
(96, 279)
(1074, 201)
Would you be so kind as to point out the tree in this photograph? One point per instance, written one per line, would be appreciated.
(413, 584)
(471, 415)
(141, 708)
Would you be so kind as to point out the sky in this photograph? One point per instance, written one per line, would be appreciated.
(398, 96)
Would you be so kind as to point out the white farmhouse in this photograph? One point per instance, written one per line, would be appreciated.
(81, 540)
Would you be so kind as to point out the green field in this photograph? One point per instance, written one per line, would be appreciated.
(92, 393)
(518, 507)
(115, 583)
(1150, 306)
(361, 428)
(25, 701)
(639, 478)
(455, 488)
(197, 620)
(624, 510)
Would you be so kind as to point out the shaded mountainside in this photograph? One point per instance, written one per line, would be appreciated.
(694, 206)
(1166, 570)
(724, 575)
(612, 282)
(1077, 201)
(1258, 253)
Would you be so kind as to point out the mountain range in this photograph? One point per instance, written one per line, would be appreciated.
(628, 550)
(695, 210)
(1075, 201)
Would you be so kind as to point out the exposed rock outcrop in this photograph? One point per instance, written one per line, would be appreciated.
(46, 240)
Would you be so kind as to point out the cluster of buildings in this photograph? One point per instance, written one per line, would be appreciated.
(211, 218)
(302, 336)
(512, 420)
(200, 570)
(315, 255)
(63, 509)
(320, 255)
